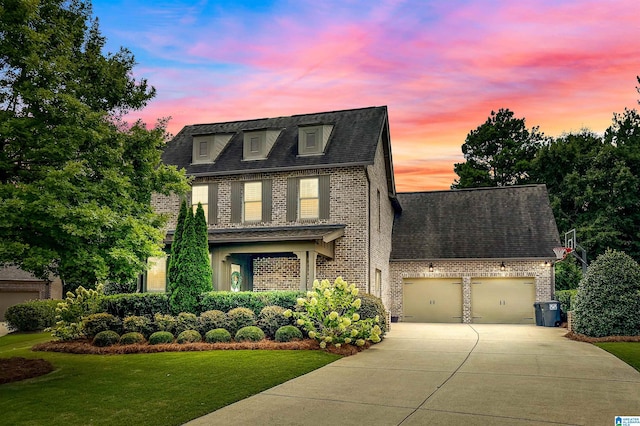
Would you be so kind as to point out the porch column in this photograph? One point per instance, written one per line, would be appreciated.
(303, 257)
(313, 256)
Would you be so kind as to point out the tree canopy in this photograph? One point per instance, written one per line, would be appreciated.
(498, 152)
(75, 179)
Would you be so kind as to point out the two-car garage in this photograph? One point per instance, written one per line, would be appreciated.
(492, 300)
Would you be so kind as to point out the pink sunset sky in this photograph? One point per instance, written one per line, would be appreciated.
(441, 67)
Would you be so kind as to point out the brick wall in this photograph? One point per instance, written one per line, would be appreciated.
(467, 269)
(276, 273)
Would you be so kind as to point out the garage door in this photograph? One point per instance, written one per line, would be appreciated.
(432, 300)
(10, 298)
(503, 300)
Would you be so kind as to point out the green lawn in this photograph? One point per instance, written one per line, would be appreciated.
(629, 352)
(167, 388)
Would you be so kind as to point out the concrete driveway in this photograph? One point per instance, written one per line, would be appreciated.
(453, 374)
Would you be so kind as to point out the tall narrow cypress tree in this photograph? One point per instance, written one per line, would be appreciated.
(202, 243)
(193, 271)
(175, 247)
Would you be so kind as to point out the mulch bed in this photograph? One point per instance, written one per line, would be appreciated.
(85, 347)
(17, 368)
(582, 338)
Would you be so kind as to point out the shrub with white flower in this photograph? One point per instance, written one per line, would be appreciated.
(73, 309)
(328, 315)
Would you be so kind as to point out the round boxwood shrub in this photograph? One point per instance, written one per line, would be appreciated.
(96, 323)
(271, 318)
(287, 333)
(608, 299)
(131, 338)
(164, 322)
(189, 336)
(32, 315)
(217, 335)
(238, 318)
(160, 337)
(106, 338)
(210, 320)
(371, 307)
(186, 321)
(249, 334)
(138, 324)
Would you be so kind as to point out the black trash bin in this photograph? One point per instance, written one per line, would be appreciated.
(539, 317)
(548, 314)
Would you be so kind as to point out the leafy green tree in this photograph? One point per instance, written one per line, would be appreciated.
(568, 274)
(193, 268)
(498, 152)
(176, 244)
(75, 179)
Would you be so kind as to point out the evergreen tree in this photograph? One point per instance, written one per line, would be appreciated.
(175, 247)
(193, 270)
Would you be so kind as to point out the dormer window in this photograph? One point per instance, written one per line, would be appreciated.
(312, 140)
(258, 143)
(207, 148)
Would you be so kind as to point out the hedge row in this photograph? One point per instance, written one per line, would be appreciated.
(32, 315)
(40, 314)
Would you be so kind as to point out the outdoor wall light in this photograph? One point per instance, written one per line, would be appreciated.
(502, 267)
(431, 267)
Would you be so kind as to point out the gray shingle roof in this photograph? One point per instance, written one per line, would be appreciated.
(482, 223)
(353, 140)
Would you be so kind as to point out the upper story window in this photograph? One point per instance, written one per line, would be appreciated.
(207, 148)
(251, 201)
(308, 198)
(258, 143)
(207, 195)
(312, 140)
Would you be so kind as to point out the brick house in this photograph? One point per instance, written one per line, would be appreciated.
(290, 199)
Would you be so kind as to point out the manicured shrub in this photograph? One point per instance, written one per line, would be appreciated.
(131, 338)
(138, 324)
(189, 336)
(120, 288)
(566, 299)
(249, 334)
(139, 304)
(186, 321)
(238, 318)
(106, 338)
(226, 300)
(568, 274)
(271, 318)
(210, 320)
(371, 307)
(329, 315)
(70, 312)
(608, 299)
(160, 337)
(164, 323)
(217, 335)
(32, 315)
(288, 333)
(96, 323)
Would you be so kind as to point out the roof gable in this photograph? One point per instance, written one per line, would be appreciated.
(482, 223)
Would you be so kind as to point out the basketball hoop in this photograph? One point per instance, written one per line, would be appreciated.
(561, 252)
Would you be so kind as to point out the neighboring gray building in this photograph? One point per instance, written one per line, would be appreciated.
(290, 199)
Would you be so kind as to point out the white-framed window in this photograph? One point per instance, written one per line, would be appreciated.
(377, 290)
(207, 195)
(309, 199)
(252, 202)
(200, 194)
